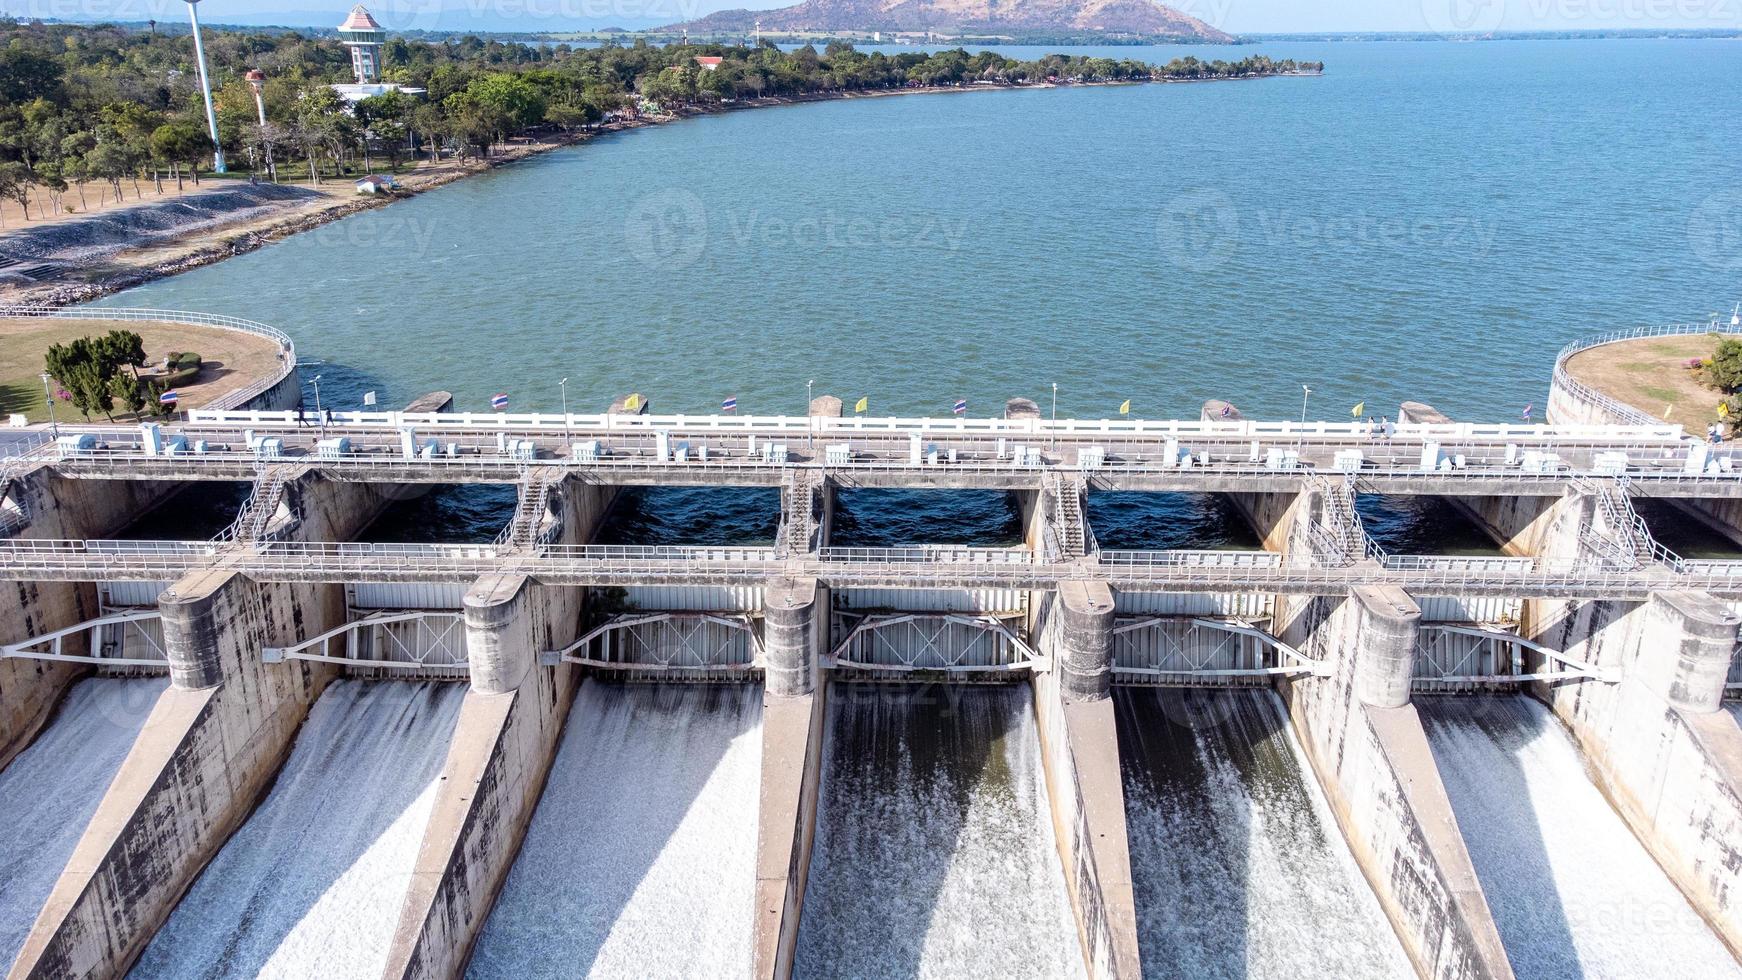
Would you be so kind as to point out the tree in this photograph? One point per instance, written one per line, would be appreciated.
(78, 366)
(180, 142)
(1726, 367)
(15, 181)
(129, 391)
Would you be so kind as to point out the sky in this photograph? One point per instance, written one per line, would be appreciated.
(1234, 16)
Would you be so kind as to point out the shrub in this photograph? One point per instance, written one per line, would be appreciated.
(188, 359)
(1725, 370)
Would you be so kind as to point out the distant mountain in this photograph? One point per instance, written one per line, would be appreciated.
(1142, 17)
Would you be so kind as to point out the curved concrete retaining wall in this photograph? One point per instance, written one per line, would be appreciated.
(1572, 402)
(281, 390)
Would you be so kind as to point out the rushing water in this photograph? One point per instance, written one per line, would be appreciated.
(50, 790)
(1572, 890)
(313, 882)
(641, 858)
(934, 852)
(1238, 866)
(1426, 221)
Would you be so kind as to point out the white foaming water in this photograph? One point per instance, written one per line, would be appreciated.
(1572, 890)
(934, 854)
(50, 790)
(1237, 862)
(641, 858)
(312, 884)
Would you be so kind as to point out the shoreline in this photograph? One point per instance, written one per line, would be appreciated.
(240, 242)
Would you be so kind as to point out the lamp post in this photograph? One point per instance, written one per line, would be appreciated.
(320, 419)
(206, 88)
(809, 435)
(563, 386)
(257, 82)
(53, 423)
(1300, 437)
(1052, 434)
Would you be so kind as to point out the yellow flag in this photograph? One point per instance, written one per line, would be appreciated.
(863, 404)
(632, 403)
(1358, 409)
(1125, 407)
(1724, 409)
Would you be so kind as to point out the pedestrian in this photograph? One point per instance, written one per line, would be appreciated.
(301, 417)
(326, 417)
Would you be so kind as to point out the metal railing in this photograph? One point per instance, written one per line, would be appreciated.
(1620, 410)
(227, 402)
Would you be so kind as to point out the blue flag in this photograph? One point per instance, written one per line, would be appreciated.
(499, 401)
(729, 404)
(961, 406)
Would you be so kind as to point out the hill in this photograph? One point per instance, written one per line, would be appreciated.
(1113, 17)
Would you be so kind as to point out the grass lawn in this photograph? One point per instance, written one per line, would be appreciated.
(232, 359)
(1648, 374)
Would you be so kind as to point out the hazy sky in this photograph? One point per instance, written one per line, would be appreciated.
(1236, 16)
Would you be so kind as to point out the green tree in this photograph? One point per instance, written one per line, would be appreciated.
(1726, 367)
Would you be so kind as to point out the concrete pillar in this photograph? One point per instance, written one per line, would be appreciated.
(1689, 640)
(1021, 408)
(1371, 756)
(1390, 620)
(210, 748)
(499, 634)
(502, 749)
(786, 823)
(825, 406)
(1083, 649)
(790, 633)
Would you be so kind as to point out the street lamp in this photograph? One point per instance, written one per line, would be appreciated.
(1300, 437)
(206, 88)
(54, 423)
(809, 435)
(563, 386)
(320, 420)
(1052, 435)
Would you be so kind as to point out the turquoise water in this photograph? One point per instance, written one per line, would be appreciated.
(1426, 221)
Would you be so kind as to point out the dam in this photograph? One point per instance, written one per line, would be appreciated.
(1193, 696)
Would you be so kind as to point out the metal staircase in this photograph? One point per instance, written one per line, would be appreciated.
(800, 500)
(255, 517)
(527, 530)
(1339, 537)
(1064, 500)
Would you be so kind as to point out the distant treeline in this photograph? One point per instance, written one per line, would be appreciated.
(103, 104)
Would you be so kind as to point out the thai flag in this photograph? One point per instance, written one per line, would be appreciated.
(729, 404)
(961, 406)
(499, 401)
(168, 398)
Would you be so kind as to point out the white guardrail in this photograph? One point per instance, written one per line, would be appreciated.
(286, 347)
(1614, 406)
(900, 427)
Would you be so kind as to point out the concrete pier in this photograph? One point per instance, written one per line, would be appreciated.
(207, 752)
(1080, 754)
(795, 627)
(786, 823)
(502, 749)
(1367, 747)
(1660, 745)
(503, 746)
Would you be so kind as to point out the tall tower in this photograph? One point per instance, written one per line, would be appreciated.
(364, 37)
(206, 88)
